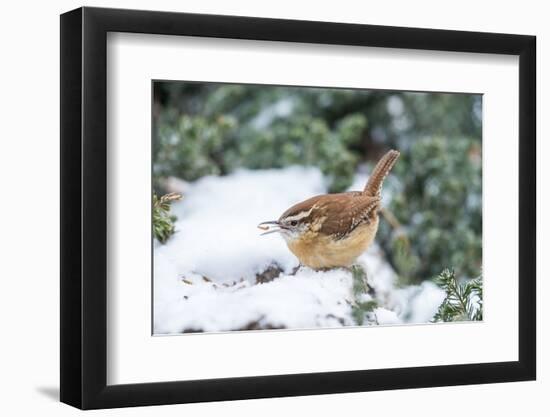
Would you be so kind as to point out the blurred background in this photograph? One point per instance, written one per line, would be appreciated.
(432, 218)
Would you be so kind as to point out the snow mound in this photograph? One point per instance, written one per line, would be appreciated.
(218, 274)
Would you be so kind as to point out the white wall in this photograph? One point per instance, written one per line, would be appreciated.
(29, 110)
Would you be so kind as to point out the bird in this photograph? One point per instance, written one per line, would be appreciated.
(332, 230)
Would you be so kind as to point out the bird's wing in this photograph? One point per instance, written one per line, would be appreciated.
(346, 211)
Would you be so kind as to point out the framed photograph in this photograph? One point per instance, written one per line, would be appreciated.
(258, 208)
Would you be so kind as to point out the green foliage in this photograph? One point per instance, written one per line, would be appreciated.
(438, 198)
(302, 140)
(192, 147)
(242, 127)
(163, 222)
(463, 300)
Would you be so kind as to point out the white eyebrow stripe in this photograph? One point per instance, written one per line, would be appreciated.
(299, 216)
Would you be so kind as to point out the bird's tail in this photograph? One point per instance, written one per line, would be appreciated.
(380, 172)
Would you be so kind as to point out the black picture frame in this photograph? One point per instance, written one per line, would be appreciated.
(84, 207)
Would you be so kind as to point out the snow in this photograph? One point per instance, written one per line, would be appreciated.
(385, 316)
(206, 275)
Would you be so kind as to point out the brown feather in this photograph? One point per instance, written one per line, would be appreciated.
(341, 213)
(380, 172)
(345, 212)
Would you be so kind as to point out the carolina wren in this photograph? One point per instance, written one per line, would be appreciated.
(332, 230)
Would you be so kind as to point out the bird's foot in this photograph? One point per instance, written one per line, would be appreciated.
(295, 270)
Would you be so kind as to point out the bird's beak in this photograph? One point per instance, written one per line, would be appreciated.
(267, 226)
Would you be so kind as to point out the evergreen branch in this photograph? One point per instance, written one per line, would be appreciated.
(361, 309)
(163, 222)
(463, 301)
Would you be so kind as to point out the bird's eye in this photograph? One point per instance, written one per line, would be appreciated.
(293, 222)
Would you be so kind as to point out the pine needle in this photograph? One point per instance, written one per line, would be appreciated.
(463, 300)
(163, 221)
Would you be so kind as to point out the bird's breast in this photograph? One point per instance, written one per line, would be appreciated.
(320, 251)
